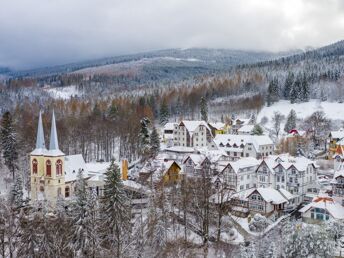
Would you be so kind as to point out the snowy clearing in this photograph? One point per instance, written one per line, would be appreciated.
(64, 92)
(333, 110)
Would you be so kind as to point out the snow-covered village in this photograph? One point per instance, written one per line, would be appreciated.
(172, 129)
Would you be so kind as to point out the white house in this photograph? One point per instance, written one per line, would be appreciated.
(322, 209)
(338, 184)
(193, 134)
(245, 130)
(239, 146)
(267, 200)
(238, 175)
(194, 163)
(295, 174)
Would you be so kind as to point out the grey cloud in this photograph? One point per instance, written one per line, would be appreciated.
(40, 32)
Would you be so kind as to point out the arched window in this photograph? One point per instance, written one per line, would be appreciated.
(67, 192)
(59, 167)
(34, 166)
(48, 168)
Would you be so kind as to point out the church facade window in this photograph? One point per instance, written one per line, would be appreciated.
(48, 168)
(59, 167)
(34, 166)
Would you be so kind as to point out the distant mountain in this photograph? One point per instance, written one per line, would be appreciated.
(4, 70)
(197, 60)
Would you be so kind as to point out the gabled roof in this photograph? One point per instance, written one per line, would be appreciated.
(191, 126)
(337, 134)
(335, 209)
(217, 125)
(242, 163)
(73, 163)
(255, 140)
(270, 195)
(287, 161)
(246, 129)
(197, 159)
(169, 126)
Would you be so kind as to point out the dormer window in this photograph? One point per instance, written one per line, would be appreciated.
(34, 166)
(48, 168)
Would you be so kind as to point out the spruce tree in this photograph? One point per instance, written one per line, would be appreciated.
(288, 85)
(144, 138)
(291, 121)
(164, 113)
(305, 88)
(204, 109)
(16, 194)
(154, 142)
(257, 130)
(115, 211)
(84, 240)
(9, 143)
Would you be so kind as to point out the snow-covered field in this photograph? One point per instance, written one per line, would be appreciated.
(333, 110)
(64, 92)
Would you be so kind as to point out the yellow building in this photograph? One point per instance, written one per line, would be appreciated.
(47, 166)
(335, 140)
(171, 175)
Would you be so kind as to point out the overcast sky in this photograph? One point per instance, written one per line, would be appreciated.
(45, 32)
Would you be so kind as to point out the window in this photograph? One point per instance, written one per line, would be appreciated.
(247, 186)
(34, 166)
(248, 176)
(246, 154)
(241, 187)
(67, 191)
(48, 168)
(59, 167)
(320, 214)
(59, 191)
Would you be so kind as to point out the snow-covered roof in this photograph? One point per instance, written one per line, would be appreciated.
(338, 173)
(271, 195)
(246, 129)
(287, 161)
(191, 126)
(197, 159)
(243, 163)
(335, 209)
(242, 121)
(217, 125)
(180, 149)
(97, 167)
(169, 126)
(338, 134)
(213, 155)
(231, 139)
(39, 152)
(72, 165)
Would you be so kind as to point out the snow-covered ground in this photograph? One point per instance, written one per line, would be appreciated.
(64, 92)
(333, 110)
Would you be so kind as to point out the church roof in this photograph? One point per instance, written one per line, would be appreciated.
(54, 144)
(40, 143)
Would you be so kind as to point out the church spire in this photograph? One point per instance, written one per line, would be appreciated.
(54, 144)
(40, 143)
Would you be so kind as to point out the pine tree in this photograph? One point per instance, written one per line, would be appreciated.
(154, 142)
(305, 88)
(16, 194)
(288, 85)
(204, 109)
(9, 143)
(257, 130)
(273, 92)
(144, 138)
(115, 211)
(164, 113)
(84, 240)
(291, 121)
